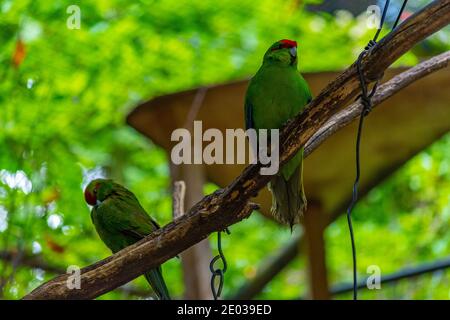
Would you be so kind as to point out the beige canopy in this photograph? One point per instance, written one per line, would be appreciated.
(393, 133)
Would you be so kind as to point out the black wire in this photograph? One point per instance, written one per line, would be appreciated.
(364, 111)
(399, 14)
(367, 106)
(386, 5)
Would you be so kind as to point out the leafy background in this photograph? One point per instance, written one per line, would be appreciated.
(62, 111)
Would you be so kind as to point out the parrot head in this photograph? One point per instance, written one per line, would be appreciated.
(98, 190)
(283, 51)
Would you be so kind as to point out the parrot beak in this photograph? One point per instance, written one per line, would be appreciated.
(293, 51)
(98, 202)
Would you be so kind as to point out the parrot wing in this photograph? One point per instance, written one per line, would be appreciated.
(126, 216)
(304, 85)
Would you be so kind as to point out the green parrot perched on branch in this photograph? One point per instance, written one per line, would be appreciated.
(276, 94)
(121, 221)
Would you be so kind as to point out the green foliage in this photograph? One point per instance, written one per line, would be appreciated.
(402, 222)
(62, 117)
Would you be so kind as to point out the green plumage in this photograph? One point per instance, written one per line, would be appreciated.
(121, 221)
(276, 94)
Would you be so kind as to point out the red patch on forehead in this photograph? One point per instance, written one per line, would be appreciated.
(91, 197)
(285, 43)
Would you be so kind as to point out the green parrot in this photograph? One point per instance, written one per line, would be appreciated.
(276, 94)
(121, 221)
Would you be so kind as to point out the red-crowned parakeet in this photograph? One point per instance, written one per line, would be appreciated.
(121, 221)
(276, 94)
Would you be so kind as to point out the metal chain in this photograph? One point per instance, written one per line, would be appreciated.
(218, 272)
(366, 101)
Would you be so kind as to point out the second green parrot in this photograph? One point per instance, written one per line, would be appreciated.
(277, 93)
(121, 221)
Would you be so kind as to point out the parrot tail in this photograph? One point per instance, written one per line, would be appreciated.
(288, 197)
(156, 280)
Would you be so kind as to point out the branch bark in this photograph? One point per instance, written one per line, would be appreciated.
(230, 205)
(38, 262)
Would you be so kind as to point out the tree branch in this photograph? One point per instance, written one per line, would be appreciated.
(38, 262)
(385, 91)
(229, 205)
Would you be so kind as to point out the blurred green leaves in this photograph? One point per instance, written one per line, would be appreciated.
(62, 114)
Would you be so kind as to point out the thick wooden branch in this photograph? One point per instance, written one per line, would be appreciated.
(385, 91)
(230, 205)
(38, 262)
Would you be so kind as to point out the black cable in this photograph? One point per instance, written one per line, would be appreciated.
(367, 106)
(365, 110)
(399, 14)
(386, 5)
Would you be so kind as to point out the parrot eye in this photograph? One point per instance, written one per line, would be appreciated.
(95, 190)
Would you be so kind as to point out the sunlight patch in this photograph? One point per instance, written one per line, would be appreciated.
(92, 174)
(3, 219)
(36, 247)
(17, 180)
(54, 221)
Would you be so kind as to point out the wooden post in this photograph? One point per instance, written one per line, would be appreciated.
(315, 224)
(195, 260)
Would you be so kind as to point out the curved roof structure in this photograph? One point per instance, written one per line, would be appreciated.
(394, 132)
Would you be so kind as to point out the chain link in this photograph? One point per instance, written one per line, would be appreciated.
(218, 272)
